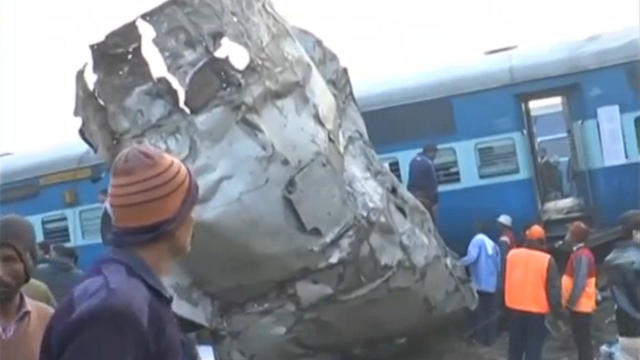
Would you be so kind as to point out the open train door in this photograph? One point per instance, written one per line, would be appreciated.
(562, 196)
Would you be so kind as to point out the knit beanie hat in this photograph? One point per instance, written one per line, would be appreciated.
(17, 232)
(151, 193)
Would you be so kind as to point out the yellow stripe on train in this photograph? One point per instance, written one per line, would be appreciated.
(76, 174)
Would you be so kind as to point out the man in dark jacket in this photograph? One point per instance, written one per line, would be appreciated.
(60, 272)
(423, 181)
(623, 268)
(121, 310)
(550, 176)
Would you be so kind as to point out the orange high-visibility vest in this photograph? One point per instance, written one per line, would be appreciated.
(587, 301)
(525, 287)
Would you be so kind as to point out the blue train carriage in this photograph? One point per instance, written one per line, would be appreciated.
(550, 135)
(493, 120)
(58, 192)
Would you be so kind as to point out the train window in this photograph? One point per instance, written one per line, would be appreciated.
(447, 169)
(497, 158)
(410, 123)
(394, 166)
(55, 228)
(90, 223)
(637, 124)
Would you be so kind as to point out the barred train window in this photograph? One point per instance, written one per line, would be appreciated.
(55, 228)
(447, 168)
(90, 223)
(497, 158)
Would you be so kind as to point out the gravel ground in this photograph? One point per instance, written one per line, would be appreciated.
(447, 343)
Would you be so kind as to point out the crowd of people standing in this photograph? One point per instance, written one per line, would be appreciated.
(518, 283)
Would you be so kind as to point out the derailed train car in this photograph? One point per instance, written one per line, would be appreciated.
(305, 246)
(549, 135)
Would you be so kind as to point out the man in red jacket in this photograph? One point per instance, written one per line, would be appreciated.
(579, 289)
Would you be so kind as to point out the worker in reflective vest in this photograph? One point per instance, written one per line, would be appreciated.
(579, 289)
(532, 290)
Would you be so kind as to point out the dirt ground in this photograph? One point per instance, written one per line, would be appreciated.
(447, 342)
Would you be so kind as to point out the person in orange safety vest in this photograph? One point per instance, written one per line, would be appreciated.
(579, 289)
(532, 290)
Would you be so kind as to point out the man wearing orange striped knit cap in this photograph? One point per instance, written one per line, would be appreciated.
(122, 310)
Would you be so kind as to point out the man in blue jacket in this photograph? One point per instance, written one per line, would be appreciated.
(483, 260)
(423, 181)
(121, 310)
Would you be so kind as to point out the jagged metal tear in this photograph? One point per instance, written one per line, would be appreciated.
(305, 245)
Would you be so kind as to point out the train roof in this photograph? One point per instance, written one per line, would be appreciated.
(491, 71)
(505, 68)
(16, 167)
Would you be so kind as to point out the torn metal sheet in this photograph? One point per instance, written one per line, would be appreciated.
(317, 198)
(310, 293)
(305, 246)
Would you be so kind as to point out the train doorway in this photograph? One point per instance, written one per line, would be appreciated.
(548, 124)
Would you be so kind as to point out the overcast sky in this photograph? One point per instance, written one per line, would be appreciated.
(43, 42)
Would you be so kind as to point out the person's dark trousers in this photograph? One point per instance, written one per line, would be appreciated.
(526, 335)
(581, 329)
(427, 205)
(484, 319)
(502, 323)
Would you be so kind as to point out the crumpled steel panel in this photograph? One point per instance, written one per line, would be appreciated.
(318, 199)
(305, 245)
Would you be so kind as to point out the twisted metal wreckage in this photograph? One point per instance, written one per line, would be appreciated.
(305, 245)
